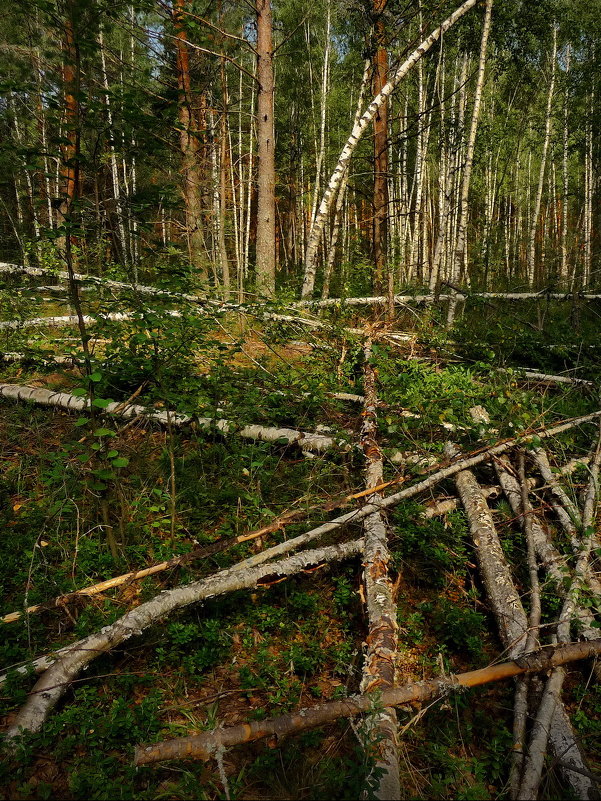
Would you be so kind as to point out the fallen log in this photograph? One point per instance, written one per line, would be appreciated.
(283, 436)
(205, 745)
(379, 669)
(553, 562)
(76, 657)
(403, 300)
(64, 321)
(511, 618)
(434, 509)
(438, 473)
(205, 305)
(551, 698)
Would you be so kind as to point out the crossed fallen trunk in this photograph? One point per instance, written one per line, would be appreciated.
(206, 745)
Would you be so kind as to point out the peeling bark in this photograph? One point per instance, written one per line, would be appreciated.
(75, 658)
(380, 659)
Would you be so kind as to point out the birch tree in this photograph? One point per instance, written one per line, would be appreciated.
(356, 134)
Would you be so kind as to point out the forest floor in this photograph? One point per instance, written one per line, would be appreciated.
(285, 644)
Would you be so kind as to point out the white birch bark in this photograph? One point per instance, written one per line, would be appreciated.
(356, 135)
(75, 658)
(543, 164)
(64, 400)
(460, 248)
(113, 152)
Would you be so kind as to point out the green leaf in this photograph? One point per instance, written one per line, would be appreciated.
(81, 421)
(98, 485)
(112, 454)
(101, 403)
(95, 376)
(120, 462)
(79, 392)
(104, 473)
(104, 432)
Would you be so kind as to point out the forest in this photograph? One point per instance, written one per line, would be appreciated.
(300, 409)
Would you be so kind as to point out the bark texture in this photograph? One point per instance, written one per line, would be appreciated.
(380, 659)
(356, 134)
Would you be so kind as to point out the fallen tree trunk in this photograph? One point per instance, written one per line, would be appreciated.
(205, 305)
(402, 300)
(435, 509)
(379, 669)
(511, 617)
(75, 658)
(63, 322)
(502, 594)
(205, 745)
(437, 475)
(281, 436)
(554, 563)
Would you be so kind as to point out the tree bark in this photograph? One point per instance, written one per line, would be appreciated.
(379, 670)
(265, 252)
(56, 680)
(543, 165)
(460, 248)
(187, 113)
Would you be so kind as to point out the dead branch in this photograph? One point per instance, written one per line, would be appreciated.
(437, 475)
(554, 563)
(137, 575)
(435, 509)
(520, 707)
(542, 462)
(75, 658)
(204, 745)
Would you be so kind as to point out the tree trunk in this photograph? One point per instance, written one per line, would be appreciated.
(189, 146)
(265, 252)
(380, 196)
(531, 265)
(460, 248)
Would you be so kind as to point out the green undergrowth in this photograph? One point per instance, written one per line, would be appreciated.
(280, 646)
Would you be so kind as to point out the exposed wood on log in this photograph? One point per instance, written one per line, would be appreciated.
(73, 659)
(203, 746)
(379, 670)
